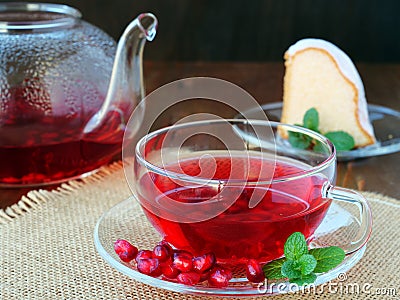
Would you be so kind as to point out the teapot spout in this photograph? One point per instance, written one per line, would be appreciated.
(126, 88)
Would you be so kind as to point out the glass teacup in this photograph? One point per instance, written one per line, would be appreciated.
(238, 189)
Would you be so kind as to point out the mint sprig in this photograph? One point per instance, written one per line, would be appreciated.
(300, 265)
(340, 139)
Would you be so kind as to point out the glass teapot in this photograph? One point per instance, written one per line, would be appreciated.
(66, 91)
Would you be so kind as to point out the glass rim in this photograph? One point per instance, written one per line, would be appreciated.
(327, 162)
(68, 15)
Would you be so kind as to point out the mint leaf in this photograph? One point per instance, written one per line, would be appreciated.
(319, 147)
(291, 269)
(327, 258)
(272, 270)
(306, 279)
(307, 264)
(299, 140)
(341, 140)
(295, 246)
(311, 119)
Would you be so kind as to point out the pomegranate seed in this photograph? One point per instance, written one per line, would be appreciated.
(219, 277)
(161, 252)
(149, 266)
(169, 271)
(125, 250)
(183, 260)
(204, 276)
(203, 263)
(168, 246)
(254, 271)
(189, 278)
(144, 254)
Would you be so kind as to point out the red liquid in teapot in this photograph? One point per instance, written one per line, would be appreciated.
(240, 232)
(46, 144)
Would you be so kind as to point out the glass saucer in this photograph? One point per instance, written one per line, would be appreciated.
(127, 221)
(385, 121)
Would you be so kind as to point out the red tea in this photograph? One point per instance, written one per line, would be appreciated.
(42, 140)
(238, 233)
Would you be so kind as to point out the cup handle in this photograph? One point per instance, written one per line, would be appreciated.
(365, 217)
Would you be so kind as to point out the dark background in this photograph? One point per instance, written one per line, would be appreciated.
(254, 30)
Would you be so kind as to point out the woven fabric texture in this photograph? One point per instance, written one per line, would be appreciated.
(47, 249)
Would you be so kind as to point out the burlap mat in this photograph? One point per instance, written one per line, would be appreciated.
(47, 251)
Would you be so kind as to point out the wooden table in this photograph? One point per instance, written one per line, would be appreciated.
(264, 82)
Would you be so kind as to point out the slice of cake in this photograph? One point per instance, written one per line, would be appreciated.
(320, 75)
